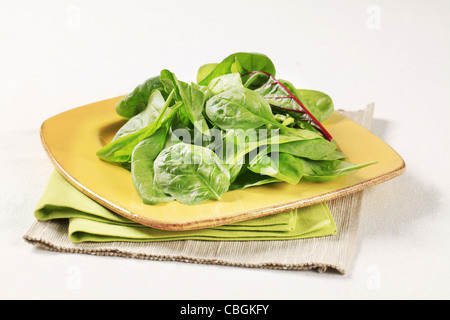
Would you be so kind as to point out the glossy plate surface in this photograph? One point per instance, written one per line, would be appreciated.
(72, 139)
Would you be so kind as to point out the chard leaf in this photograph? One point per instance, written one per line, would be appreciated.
(282, 99)
(242, 108)
(317, 102)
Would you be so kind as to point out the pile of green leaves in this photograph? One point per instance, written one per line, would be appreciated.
(238, 126)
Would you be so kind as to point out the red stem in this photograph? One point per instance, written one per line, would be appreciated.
(316, 122)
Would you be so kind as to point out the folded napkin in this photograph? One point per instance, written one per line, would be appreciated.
(89, 221)
(57, 228)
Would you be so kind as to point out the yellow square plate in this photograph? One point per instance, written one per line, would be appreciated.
(72, 139)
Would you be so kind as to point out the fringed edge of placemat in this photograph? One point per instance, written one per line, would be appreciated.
(42, 244)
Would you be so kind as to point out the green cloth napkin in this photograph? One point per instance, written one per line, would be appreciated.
(89, 221)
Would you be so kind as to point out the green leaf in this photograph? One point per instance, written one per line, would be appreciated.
(137, 100)
(247, 179)
(244, 145)
(318, 103)
(222, 84)
(282, 166)
(191, 174)
(239, 108)
(120, 150)
(327, 170)
(142, 171)
(241, 62)
(154, 107)
(193, 99)
(204, 70)
(314, 149)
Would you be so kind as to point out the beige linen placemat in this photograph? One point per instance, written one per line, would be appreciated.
(325, 253)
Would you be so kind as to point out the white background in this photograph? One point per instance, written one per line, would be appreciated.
(57, 55)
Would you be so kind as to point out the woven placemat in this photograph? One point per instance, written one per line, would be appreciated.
(334, 252)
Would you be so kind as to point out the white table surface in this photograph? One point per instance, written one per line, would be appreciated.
(57, 55)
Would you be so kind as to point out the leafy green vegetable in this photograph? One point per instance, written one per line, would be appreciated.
(314, 149)
(142, 172)
(154, 107)
(327, 170)
(236, 128)
(247, 179)
(121, 149)
(193, 99)
(191, 174)
(223, 83)
(239, 108)
(244, 146)
(284, 100)
(282, 166)
(318, 103)
(137, 100)
(241, 62)
(204, 70)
